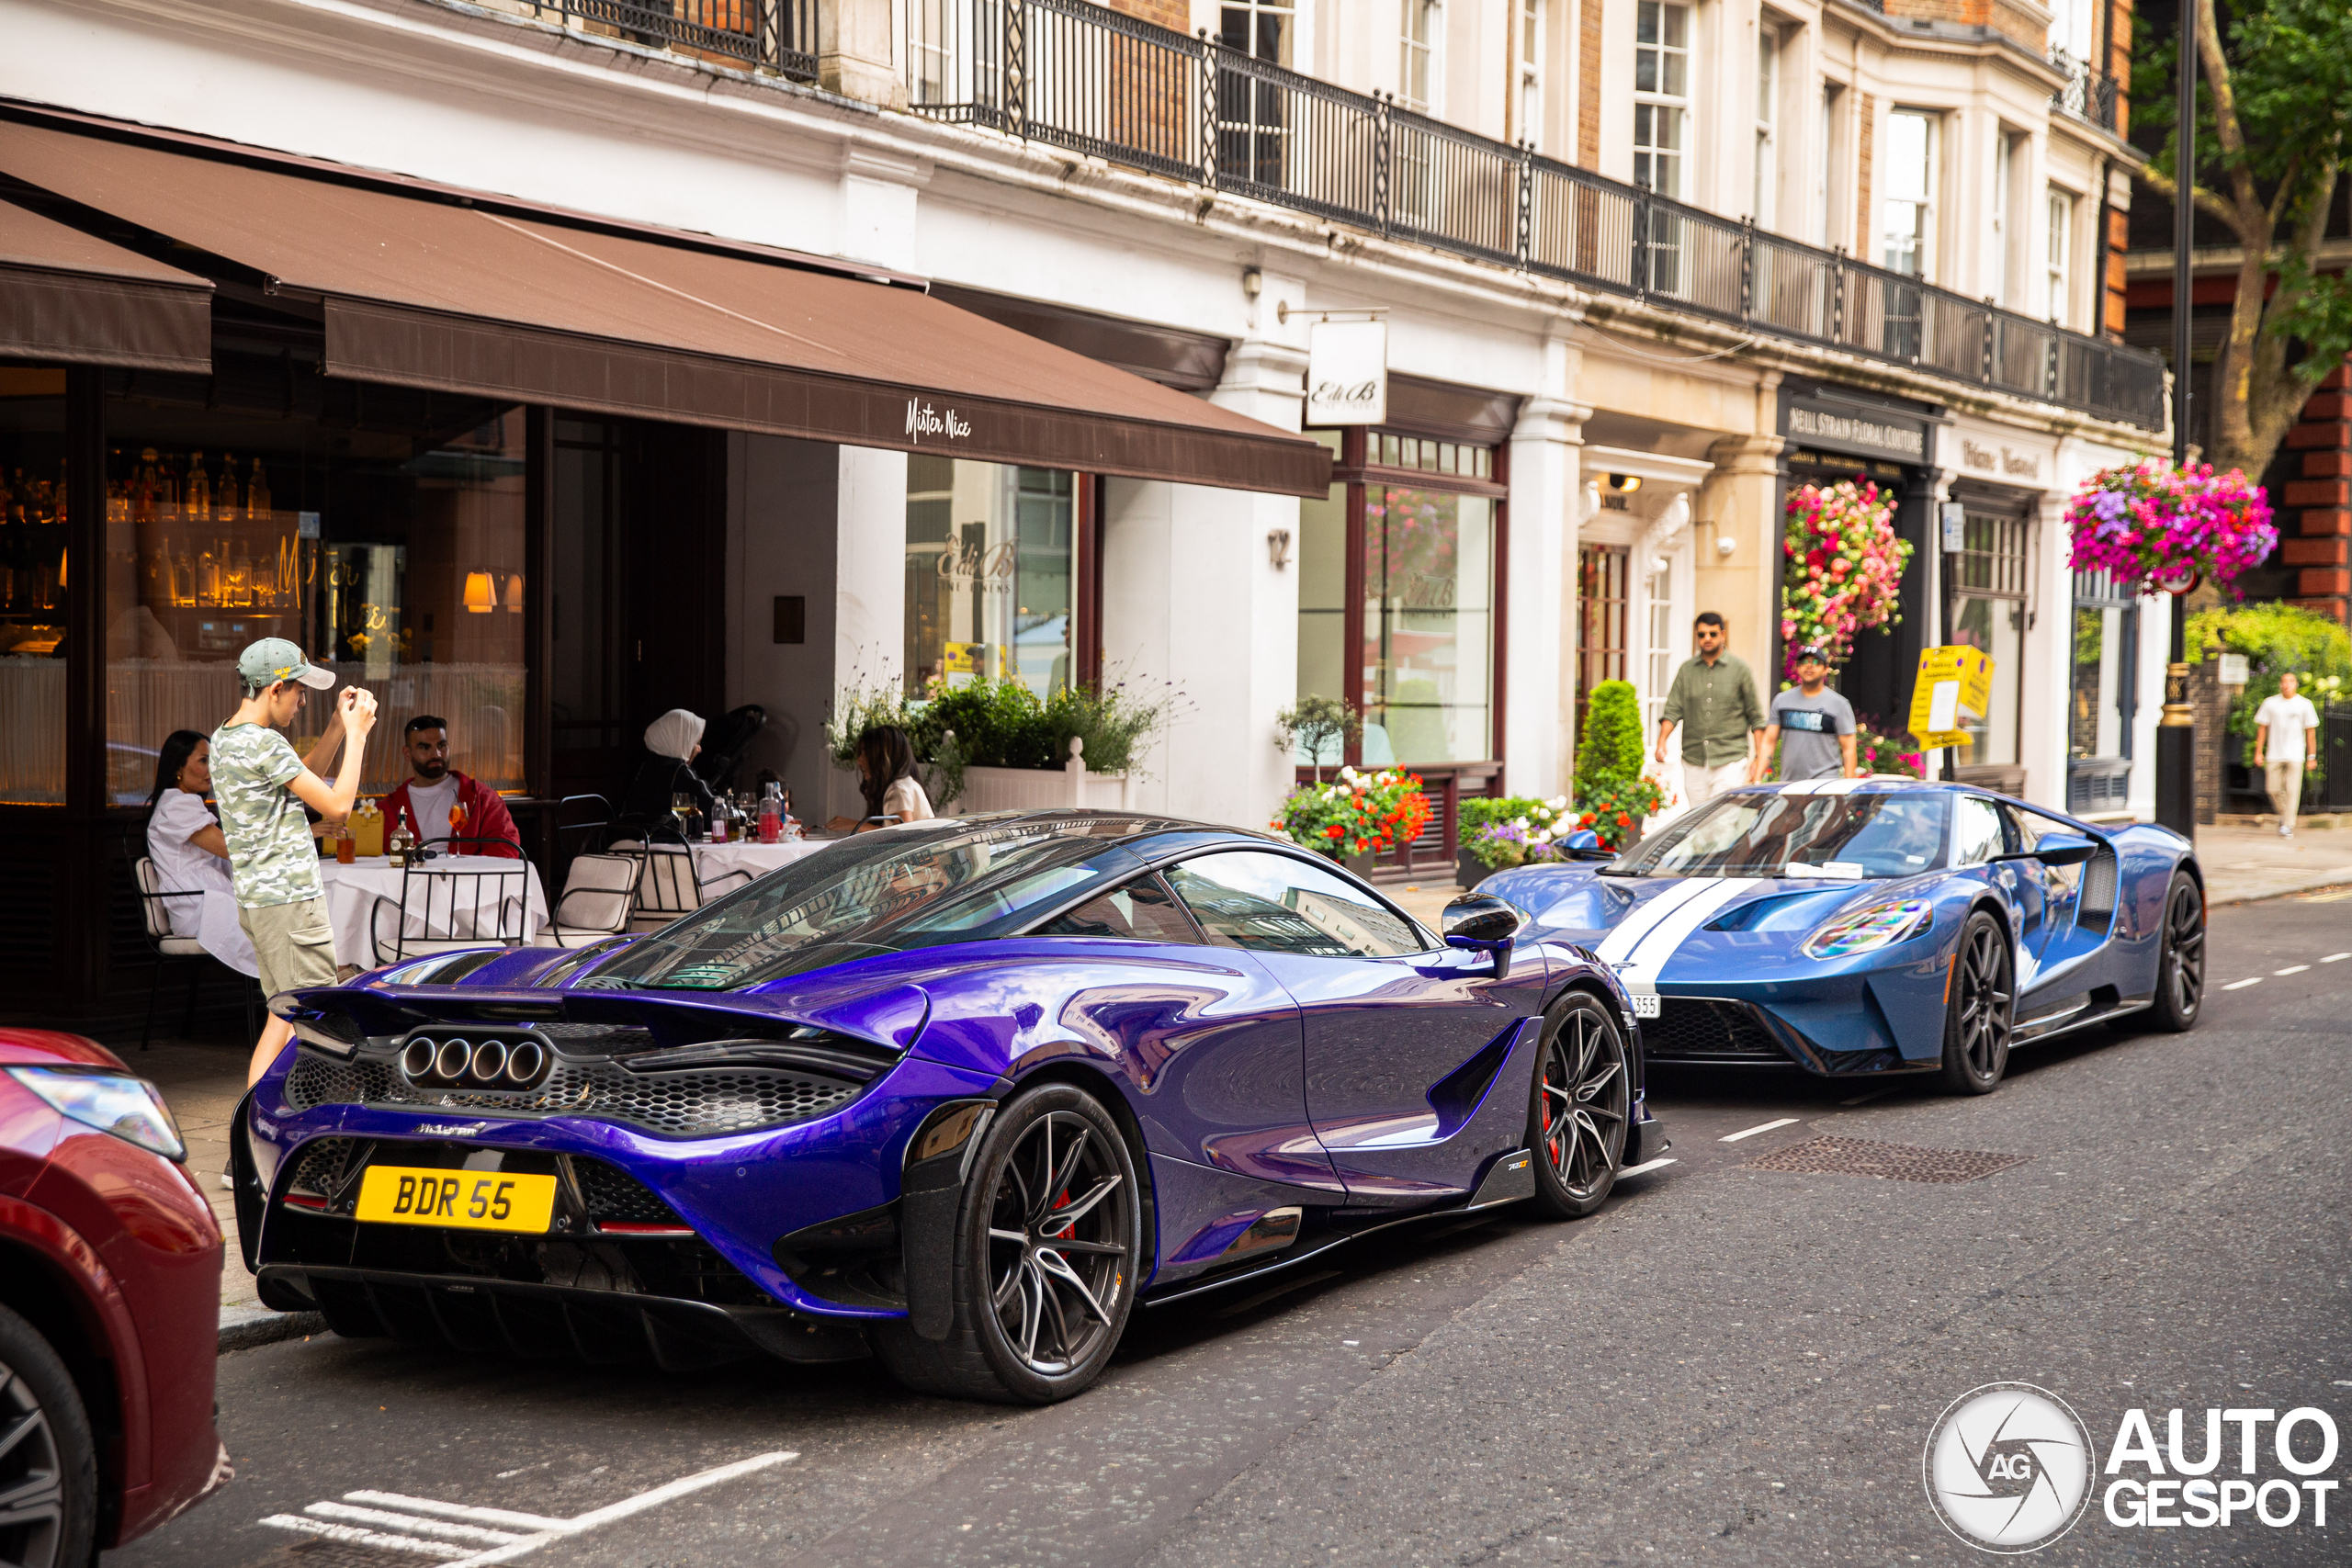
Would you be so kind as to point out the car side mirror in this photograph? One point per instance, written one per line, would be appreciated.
(1480, 921)
(2065, 849)
(1584, 844)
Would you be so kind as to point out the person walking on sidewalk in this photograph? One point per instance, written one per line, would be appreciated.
(2282, 725)
(1713, 699)
(262, 787)
(1813, 726)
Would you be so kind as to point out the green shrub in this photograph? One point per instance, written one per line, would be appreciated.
(1475, 812)
(2275, 638)
(1002, 723)
(1611, 742)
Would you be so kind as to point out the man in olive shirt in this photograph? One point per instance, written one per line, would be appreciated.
(1713, 699)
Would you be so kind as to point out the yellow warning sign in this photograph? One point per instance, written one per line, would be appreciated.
(1955, 686)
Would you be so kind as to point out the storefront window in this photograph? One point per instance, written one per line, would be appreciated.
(1988, 608)
(33, 575)
(387, 542)
(1323, 603)
(1428, 626)
(2098, 715)
(1602, 634)
(990, 565)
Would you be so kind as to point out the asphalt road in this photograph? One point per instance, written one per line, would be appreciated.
(1726, 1364)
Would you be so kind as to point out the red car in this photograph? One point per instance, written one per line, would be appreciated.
(109, 1306)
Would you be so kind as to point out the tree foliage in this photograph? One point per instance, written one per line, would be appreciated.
(2274, 130)
(1611, 744)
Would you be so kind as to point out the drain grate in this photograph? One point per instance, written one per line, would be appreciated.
(1887, 1162)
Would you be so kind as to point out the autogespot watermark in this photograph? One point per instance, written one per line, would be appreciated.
(2010, 1468)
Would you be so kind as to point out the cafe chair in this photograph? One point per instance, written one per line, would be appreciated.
(155, 918)
(452, 908)
(596, 833)
(598, 901)
(672, 883)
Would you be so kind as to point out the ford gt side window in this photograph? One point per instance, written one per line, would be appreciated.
(1273, 903)
(1143, 910)
(1977, 835)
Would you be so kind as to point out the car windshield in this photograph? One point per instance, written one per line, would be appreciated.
(884, 892)
(1844, 836)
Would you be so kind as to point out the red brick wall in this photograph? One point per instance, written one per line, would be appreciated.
(1589, 84)
(2316, 510)
(2017, 22)
(1167, 12)
(1865, 237)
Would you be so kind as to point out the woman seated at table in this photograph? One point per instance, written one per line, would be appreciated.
(647, 807)
(191, 854)
(885, 776)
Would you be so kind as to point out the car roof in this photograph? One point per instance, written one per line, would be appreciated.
(1893, 783)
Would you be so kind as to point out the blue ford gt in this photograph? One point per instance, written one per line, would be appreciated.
(1873, 926)
(960, 1094)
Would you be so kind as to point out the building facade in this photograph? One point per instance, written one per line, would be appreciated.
(1643, 267)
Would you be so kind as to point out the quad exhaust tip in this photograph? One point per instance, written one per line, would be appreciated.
(463, 1064)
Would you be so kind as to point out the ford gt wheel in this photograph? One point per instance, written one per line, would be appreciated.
(48, 1472)
(2180, 965)
(1977, 1018)
(1045, 1257)
(1581, 1099)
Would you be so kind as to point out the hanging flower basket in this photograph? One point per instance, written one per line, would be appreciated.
(1843, 572)
(2156, 529)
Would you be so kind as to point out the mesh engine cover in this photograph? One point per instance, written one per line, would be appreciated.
(683, 1104)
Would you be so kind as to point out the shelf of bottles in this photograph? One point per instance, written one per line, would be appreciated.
(198, 535)
(32, 562)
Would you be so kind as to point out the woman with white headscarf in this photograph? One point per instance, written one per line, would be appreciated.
(670, 743)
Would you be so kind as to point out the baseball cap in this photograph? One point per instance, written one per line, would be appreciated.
(273, 658)
(1812, 654)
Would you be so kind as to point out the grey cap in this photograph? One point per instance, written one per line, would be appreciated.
(273, 658)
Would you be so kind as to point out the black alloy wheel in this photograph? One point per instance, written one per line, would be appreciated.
(1046, 1255)
(1982, 1006)
(48, 1463)
(2180, 962)
(1580, 1108)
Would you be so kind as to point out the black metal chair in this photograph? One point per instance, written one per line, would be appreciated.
(672, 883)
(471, 907)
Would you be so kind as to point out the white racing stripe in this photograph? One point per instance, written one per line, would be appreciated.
(1640, 969)
(1618, 945)
(1836, 786)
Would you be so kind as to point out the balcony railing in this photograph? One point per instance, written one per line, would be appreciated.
(779, 35)
(1075, 75)
(2088, 94)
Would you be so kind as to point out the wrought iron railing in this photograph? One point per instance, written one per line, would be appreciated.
(2087, 94)
(779, 35)
(1077, 75)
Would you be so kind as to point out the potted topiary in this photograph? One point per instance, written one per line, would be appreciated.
(1613, 798)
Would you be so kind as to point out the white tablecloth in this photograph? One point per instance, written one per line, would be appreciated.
(353, 890)
(715, 861)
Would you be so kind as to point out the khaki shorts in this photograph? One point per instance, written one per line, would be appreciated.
(293, 943)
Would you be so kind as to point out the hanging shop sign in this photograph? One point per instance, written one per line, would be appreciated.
(1347, 372)
(1955, 686)
(1835, 426)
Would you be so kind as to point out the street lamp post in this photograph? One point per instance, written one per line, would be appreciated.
(2176, 731)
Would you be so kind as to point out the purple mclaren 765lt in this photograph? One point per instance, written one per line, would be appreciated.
(958, 1094)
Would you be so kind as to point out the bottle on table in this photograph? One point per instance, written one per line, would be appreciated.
(770, 815)
(399, 846)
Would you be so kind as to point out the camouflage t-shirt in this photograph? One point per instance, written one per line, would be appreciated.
(271, 857)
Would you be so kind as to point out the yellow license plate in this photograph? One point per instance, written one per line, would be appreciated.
(459, 1200)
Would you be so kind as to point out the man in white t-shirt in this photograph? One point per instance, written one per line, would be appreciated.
(2282, 749)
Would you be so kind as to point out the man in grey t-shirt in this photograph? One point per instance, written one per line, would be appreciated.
(1813, 725)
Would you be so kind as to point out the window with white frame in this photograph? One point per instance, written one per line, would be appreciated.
(2070, 29)
(1417, 75)
(1768, 109)
(2062, 249)
(2004, 268)
(1260, 28)
(1661, 95)
(1528, 126)
(1833, 157)
(1906, 228)
(1658, 654)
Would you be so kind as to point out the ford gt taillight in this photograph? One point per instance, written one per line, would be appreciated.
(1866, 930)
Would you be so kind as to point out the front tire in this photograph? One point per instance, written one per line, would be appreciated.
(48, 1471)
(2181, 961)
(1048, 1245)
(1578, 1108)
(1980, 1015)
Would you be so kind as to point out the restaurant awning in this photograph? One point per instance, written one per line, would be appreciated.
(422, 289)
(67, 298)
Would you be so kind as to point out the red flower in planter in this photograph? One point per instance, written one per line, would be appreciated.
(1623, 820)
(1335, 832)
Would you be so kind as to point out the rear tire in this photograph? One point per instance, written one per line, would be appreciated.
(1578, 1108)
(1048, 1245)
(1982, 1009)
(2180, 958)
(49, 1473)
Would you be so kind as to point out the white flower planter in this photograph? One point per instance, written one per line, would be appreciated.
(1067, 787)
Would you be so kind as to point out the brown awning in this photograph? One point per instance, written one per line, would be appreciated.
(71, 300)
(494, 300)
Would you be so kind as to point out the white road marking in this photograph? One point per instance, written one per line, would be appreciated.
(2291, 969)
(1646, 1165)
(2336, 957)
(425, 1516)
(1751, 1132)
(2242, 985)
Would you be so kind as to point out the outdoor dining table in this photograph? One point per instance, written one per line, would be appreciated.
(715, 862)
(353, 891)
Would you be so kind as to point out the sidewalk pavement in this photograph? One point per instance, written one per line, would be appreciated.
(204, 1081)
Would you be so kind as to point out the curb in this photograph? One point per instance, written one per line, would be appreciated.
(2326, 879)
(247, 1329)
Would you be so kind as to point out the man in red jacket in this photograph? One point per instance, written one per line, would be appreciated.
(433, 786)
